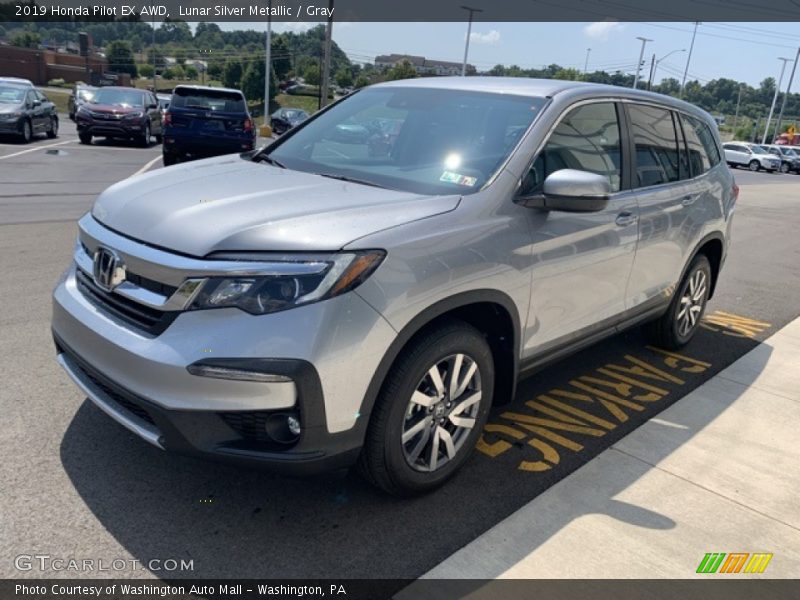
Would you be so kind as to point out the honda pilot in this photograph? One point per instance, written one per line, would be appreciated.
(327, 301)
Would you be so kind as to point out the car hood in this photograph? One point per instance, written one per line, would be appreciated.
(8, 108)
(231, 204)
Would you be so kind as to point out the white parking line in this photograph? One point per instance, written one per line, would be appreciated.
(147, 166)
(20, 153)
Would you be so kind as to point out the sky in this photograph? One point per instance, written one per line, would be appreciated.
(742, 51)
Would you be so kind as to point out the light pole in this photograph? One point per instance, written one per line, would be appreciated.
(775, 98)
(586, 63)
(689, 58)
(155, 89)
(786, 95)
(639, 64)
(469, 32)
(658, 61)
(267, 61)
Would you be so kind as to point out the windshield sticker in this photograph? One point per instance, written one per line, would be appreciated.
(458, 179)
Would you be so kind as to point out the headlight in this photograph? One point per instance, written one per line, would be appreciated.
(293, 282)
(11, 115)
(134, 115)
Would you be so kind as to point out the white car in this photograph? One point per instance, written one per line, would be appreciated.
(755, 158)
(16, 81)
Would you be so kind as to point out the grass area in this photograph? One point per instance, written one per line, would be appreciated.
(60, 99)
(309, 104)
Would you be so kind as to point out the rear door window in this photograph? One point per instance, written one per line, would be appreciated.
(655, 145)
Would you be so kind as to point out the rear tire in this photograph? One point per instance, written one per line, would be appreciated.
(754, 165)
(424, 427)
(85, 138)
(169, 159)
(159, 138)
(784, 168)
(677, 326)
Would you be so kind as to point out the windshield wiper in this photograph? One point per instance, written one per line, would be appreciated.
(350, 179)
(269, 160)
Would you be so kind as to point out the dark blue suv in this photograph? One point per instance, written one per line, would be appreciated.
(205, 121)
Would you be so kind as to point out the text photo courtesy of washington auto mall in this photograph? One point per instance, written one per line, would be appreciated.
(424, 299)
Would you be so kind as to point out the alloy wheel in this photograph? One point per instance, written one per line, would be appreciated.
(692, 303)
(441, 413)
(27, 133)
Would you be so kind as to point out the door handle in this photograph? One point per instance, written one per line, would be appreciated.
(626, 218)
(689, 199)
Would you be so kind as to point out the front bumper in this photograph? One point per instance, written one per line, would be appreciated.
(112, 128)
(10, 126)
(329, 350)
(229, 436)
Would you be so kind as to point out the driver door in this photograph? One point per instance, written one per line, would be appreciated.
(582, 260)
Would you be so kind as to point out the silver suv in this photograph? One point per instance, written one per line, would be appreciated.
(364, 289)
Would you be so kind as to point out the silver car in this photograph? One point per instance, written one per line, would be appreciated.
(331, 301)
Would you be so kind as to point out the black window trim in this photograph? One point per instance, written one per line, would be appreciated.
(625, 148)
(678, 111)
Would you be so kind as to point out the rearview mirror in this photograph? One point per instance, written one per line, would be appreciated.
(570, 190)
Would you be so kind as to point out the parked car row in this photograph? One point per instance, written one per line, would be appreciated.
(762, 157)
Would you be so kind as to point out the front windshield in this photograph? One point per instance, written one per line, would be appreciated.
(86, 95)
(127, 98)
(12, 95)
(427, 141)
(758, 150)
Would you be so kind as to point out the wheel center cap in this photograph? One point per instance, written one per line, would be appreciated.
(438, 411)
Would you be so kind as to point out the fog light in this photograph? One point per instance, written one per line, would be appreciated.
(294, 425)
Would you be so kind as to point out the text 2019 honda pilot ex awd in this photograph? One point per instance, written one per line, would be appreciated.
(346, 296)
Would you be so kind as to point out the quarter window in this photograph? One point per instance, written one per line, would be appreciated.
(587, 139)
(703, 150)
(656, 145)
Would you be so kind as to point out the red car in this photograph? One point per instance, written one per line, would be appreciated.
(120, 112)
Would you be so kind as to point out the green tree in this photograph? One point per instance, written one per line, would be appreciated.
(191, 72)
(232, 74)
(145, 70)
(404, 70)
(344, 77)
(26, 39)
(361, 81)
(155, 57)
(120, 58)
(311, 75)
(281, 57)
(253, 82)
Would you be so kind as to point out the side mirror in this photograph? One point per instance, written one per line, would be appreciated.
(37, 103)
(570, 190)
(152, 106)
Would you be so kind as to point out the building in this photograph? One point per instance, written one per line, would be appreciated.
(422, 65)
(41, 66)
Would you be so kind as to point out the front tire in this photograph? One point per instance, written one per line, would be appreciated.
(430, 411)
(52, 132)
(85, 138)
(27, 132)
(144, 140)
(679, 324)
(784, 168)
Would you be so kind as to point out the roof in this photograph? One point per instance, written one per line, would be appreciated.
(207, 88)
(542, 88)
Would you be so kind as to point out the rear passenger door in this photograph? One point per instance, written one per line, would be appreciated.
(666, 193)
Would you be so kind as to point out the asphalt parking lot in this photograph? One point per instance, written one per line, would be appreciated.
(77, 485)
